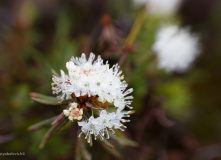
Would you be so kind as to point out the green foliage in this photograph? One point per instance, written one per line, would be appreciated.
(48, 100)
(177, 97)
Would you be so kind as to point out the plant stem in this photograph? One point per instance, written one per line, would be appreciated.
(136, 27)
(127, 47)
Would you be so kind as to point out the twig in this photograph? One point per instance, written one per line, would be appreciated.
(91, 106)
(53, 129)
(58, 119)
(132, 36)
(41, 124)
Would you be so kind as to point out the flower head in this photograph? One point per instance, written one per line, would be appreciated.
(91, 84)
(176, 48)
(86, 77)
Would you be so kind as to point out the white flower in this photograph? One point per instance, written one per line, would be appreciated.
(93, 84)
(93, 79)
(160, 7)
(92, 126)
(176, 48)
(71, 67)
(99, 126)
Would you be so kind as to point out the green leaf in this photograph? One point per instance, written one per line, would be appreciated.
(122, 140)
(85, 154)
(51, 131)
(54, 72)
(108, 143)
(41, 124)
(112, 151)
(40, 98)
(78, 150)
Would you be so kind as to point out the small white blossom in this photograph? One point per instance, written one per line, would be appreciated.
(176, 48)
(92, 126)
(73, 112)
(70, 66)
(160, 7)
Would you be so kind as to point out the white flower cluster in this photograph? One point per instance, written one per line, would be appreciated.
(176, 48)
(93, 78)
(99, 126)
(86, 77)
(160, 7)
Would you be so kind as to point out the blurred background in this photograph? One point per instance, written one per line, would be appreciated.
(178, 115)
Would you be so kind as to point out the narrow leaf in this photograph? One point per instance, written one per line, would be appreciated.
(38, 95)
(54, 72)
(78, 150)
(49, 100)
(58, 119)
(85, 154)
(41, 124)
(123, 140)
(51, 131)
(112, 151)
(108, 143)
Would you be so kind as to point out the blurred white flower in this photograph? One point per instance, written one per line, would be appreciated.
(160, 7)
(176, 48)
